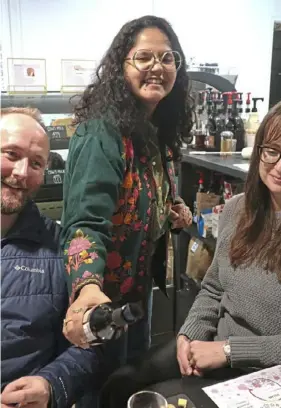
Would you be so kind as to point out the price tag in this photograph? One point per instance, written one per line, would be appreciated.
(194, 247)
(58, 137)
(54, 176)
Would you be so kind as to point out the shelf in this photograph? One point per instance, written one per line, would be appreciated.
(210, 242)
(217, 163)
(190, 281)
(50, 103)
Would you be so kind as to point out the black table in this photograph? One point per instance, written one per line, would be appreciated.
(172, 390)
(191, 388)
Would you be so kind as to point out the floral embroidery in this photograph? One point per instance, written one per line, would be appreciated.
(86, 278)
(86, 274)
(112, 277)
(143, 159)
(114, 260)
(128, 219)
(128, 181)
(137, 226)
(127, 265)
(117, 219)
(128, 147)
(126, 285)
(78, 251)
(129, 231)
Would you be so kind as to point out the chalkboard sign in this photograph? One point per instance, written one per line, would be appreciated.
(58, 137)
(54, 176)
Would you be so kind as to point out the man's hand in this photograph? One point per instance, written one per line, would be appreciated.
(89, 297)
(207, 355)
(33, 391)
(183, 354)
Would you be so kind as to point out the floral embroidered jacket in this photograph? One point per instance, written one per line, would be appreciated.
(109, 194)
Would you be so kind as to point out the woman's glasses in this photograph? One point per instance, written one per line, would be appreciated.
(144, 60)
(269, 155)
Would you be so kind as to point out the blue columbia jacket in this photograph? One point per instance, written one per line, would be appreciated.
(34, 301)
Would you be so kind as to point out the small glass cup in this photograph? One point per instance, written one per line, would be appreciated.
(226, 143)
(147, 399)
(200, 139)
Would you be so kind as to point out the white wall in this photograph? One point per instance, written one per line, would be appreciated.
(233, 33)
(65, 29)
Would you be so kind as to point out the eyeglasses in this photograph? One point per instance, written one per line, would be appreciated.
(269, 155)
(144, 60)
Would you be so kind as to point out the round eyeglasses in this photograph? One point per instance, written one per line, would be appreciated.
(269, 155)
(144, 60)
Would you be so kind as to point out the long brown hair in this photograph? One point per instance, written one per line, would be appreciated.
(258, 237)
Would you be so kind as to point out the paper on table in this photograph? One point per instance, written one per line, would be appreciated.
(243, 166)
(261, 389)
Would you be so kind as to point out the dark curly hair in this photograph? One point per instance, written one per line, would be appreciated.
(110, 95)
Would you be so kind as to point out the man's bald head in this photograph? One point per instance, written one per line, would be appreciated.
(24, 156)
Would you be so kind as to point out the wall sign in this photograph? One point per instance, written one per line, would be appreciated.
(26, 76)
(54, 176)
(76, 74)
(58, 137)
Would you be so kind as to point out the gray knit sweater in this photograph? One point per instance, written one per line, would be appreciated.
(242, 304)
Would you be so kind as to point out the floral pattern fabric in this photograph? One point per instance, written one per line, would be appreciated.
(121, 265)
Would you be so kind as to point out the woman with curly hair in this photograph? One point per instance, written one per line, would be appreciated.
(119, 188)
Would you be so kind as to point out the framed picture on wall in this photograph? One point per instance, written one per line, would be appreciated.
(76, 74)
(27, 75)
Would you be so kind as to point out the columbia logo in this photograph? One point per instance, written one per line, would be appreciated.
(27, 269)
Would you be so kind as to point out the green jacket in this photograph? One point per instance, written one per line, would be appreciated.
(108, 234)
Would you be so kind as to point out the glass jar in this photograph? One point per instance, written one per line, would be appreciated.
(200, 139)
(226, 142)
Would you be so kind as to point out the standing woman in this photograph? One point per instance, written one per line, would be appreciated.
(119, 187)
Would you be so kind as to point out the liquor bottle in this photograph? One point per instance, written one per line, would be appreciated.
(212, 185)
(252, 123)
(219, 121)
(229, 122)
(221, 191)
(239, 130)
(201, 189)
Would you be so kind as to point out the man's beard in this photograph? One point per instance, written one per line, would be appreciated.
(13, 199)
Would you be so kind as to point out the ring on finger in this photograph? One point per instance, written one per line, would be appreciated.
(80, 310)
(66, 321)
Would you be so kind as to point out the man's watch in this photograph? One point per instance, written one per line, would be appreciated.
(227, 351)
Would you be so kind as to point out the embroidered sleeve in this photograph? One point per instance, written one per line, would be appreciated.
(94, 173)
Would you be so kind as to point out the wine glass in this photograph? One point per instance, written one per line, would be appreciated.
(147, 399)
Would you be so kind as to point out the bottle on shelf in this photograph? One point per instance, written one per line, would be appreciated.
(200, 189)
(240, 102)
(219, 121)
(212, 185)
(221, 191)
(229, 120)
(214, 120)
(252, 123)
(248, 108)
(239, 130)
(199, 131)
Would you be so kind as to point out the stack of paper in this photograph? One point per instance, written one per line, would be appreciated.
(261, 389)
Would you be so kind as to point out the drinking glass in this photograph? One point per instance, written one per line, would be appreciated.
(147, 399)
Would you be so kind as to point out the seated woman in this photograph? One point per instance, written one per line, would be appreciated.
(238, 308)
(234, 325)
